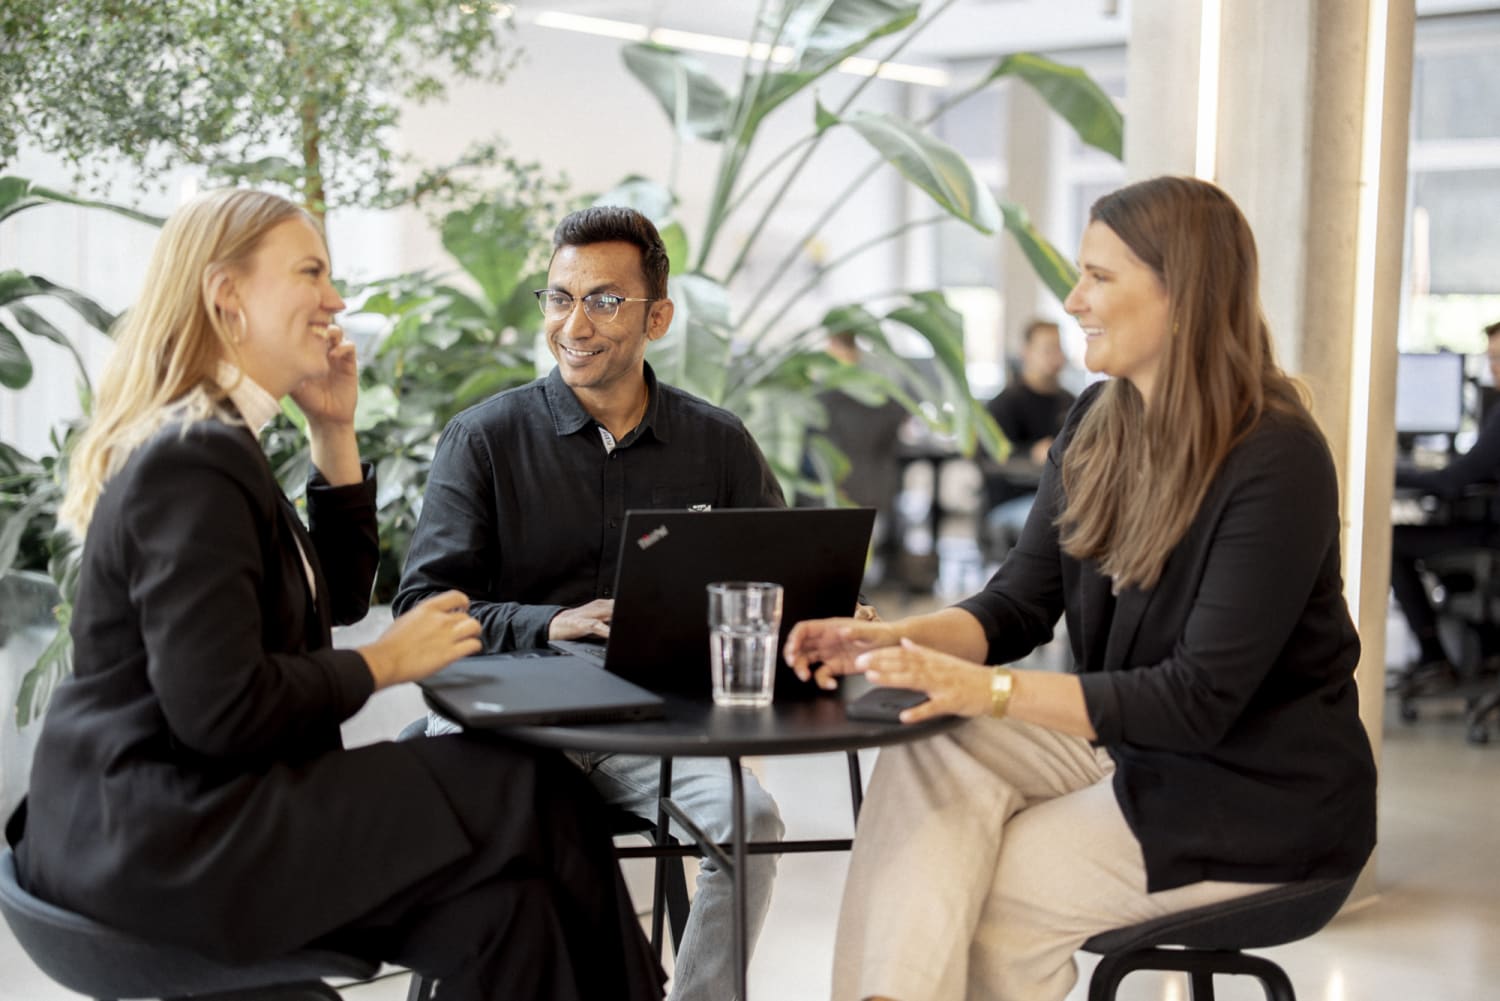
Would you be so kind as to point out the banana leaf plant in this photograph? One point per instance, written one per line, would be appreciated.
(17, 316)
(747, 360)
(31, 487)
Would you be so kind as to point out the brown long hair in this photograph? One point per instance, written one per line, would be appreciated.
(1135, 477)
(169, 344)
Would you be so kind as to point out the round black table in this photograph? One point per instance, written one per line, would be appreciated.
(697, 728)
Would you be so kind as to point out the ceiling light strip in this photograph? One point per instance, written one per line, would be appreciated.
(721, 45)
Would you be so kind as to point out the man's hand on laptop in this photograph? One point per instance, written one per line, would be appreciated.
(583, 622)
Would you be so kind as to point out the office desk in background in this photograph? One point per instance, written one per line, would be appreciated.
(696, 728)
(1477, 505)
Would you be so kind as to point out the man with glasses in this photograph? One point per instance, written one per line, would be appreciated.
(526, 501)
(1432, 670)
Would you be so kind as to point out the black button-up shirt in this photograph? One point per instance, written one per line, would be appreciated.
(525, 504)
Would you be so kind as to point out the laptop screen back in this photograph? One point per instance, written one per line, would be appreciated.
(659, 633)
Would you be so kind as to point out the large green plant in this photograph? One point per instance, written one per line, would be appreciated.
(751, 362)
(19, 290)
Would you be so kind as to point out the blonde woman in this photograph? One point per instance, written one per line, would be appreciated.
(189, 785)
(1209, 742)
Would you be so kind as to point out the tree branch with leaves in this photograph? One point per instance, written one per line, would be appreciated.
(301, 94)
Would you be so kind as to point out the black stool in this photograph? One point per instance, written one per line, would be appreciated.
(1209, 940)
(100, 962)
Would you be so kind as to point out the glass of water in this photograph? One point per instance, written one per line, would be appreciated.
(744, 619)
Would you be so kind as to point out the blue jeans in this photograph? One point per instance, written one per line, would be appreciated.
(1005, 520)
(704, 969)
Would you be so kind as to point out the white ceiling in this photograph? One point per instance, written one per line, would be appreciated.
(966, 28)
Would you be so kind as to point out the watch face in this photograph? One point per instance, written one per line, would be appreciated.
(1000, 687)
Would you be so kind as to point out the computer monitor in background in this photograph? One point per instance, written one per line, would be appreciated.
(1429, 393)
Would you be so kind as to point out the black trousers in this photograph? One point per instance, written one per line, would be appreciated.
(538, 911)
(1411, 543)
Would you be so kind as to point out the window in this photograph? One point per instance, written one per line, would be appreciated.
(1451, 288)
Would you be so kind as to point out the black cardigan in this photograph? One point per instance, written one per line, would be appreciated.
(1225, 693)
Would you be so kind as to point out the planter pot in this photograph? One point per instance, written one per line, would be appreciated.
(27, 625)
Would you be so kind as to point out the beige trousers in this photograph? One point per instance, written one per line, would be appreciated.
(984, 858)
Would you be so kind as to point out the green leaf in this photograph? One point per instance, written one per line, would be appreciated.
(674, 236)
(931, 165)
(15, 363)
(1051, 266)
(16, 285)
(14, 526)
(1071, 93)
(35, 323)
(492, 242)
(54, 664)
(694, 354)
(694, 101)
(488, 381)
(18, 194)
(376, 404)
(829, 464)
(96, 316)
(821, 34)
(942, 327)
(823, 119)
(256, 173)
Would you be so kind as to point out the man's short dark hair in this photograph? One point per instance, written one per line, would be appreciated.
(615, 223)
(1034, 326)
(1492, 329)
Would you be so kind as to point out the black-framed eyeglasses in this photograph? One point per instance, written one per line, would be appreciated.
(602, 306)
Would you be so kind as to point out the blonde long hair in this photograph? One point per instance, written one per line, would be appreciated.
(168, 346)
(1135, 477)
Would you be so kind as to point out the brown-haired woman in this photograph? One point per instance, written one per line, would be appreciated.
(1209, 743)
(189, 785)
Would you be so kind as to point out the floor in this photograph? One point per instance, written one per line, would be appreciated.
(1428, 931)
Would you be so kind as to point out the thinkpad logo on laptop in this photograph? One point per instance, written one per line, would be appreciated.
(652, 537)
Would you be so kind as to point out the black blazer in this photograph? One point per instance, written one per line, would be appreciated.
(184, 785)
(1225, 693)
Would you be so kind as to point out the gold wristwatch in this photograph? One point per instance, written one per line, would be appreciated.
(1001, 684)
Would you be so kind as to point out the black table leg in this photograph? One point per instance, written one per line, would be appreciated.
(741, 932)
(856, 784)
(659, 885)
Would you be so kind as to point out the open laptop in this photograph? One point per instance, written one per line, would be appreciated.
(659, 633)
(534, 686)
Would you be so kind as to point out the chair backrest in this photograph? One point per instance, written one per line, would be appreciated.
(1471, 582)
(85, 956)
(1273, 917)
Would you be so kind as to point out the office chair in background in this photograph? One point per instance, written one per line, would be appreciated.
(1465, 590)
